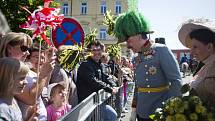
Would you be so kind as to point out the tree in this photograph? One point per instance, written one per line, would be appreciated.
(16, 15)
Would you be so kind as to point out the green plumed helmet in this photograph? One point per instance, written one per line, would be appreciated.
(130, 24)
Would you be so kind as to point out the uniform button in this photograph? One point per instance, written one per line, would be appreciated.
(148, 85)
(147, 73)
(146, 66)
(147, 79)
(148, 91)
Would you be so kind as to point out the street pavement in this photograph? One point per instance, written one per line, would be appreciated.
(125, 116)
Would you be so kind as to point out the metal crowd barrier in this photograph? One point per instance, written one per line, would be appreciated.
(89, 109)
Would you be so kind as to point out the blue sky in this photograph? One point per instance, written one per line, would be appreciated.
(166, 16)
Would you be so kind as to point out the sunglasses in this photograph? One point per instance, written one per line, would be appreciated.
(24, 48)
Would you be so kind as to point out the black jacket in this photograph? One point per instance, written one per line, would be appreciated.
(90, 78)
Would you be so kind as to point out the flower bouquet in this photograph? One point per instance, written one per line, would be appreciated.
(187, 107)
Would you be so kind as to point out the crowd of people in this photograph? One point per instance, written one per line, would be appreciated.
(48, 93)
(33, 86)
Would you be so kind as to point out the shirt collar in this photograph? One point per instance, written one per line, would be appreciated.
(146, 47)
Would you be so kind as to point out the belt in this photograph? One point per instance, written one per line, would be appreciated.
(153, 89)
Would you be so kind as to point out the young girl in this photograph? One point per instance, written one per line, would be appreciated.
(58, 102)
(12, 79)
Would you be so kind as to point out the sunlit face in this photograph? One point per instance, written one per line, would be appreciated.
(199, 50)
(135, 43)
(96, 53)
(34, 59)
(19, 52)
(19, 84)
(60, 96)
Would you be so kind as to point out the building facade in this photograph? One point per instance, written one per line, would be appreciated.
(90, 14)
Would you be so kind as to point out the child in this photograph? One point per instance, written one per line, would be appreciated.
(58, 101)
(12, 79)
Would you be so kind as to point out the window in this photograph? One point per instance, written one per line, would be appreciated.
(65, 9)
(83, 8)
(103, 7)
(118, 7)
(102, 34)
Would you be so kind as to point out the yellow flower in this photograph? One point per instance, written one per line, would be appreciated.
(193, 117)
(152, 70)
(176, 102)
(180, 117)
(200, 109)
(179, 109)
(185, 105)
(169, 118)
(171, 110)
(195, 100)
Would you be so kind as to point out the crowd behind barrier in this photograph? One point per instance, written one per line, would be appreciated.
(91, 106)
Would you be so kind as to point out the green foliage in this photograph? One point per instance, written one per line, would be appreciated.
(69, 57)
(54, 4)
(90, 37)
(16, 15)
(114, 50)
(132, 5)
(109, 21)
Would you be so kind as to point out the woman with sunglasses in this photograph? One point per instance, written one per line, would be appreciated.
(16, 45)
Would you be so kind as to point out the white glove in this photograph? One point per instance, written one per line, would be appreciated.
(133, 115)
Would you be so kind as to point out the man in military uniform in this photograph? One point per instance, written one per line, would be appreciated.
(157, 73)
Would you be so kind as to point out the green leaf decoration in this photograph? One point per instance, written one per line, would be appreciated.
(54, 4)
(152, 116)
(69, 57)
(132, 5)
(109, 21)
(114, 50)
(30, 2)
(90, 37)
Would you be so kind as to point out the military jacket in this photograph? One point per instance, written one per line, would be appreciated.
(156, 69)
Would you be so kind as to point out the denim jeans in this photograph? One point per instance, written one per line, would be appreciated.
(108, 113)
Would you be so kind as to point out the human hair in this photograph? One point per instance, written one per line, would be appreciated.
(54, 90)
(10, 70)
(13, 39)
(96, 43)
(204, 36)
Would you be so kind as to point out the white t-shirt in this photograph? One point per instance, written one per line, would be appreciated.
(31, 79)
